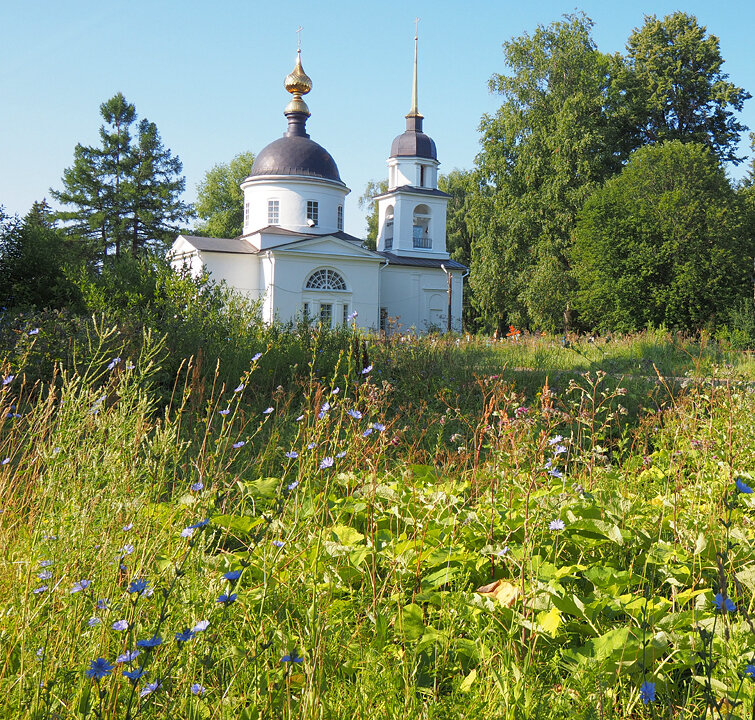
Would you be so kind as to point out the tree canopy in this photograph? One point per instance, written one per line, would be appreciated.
(665, 242)
(220, 200)
(125, 193)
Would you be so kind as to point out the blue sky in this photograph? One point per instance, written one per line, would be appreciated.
(211, 75)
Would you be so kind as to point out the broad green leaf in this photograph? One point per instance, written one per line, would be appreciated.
(347, 535)
(409, 622)
(468, 681)
(551, 621)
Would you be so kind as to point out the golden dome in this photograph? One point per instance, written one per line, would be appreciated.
(298, 82)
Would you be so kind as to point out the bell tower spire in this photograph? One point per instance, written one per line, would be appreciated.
(414, 116)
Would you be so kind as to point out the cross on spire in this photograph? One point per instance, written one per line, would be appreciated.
(298, 32)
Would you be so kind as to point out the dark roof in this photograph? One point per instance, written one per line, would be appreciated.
(413, 142)
(278, 230)
(341, 235)
(414, 189)
(394, 259)
(295, 155)
(221, 245)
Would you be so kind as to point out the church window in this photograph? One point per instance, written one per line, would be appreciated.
(273, 212)
(312, 212)
(325, 279)
(326, 314)
(246, 214)
(422, 176)
(340, 217)
(346, 313)
(305, 311)
(388, 231)
(421, 228)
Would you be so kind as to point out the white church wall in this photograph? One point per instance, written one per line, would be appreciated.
(292, 196)
(361, 295)
(239, 271)
(418, 297)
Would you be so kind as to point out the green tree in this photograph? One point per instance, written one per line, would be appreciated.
(123, 192)
(369, 205)
(675, 88)
(548, 147)
(663, 243)
(220, 200)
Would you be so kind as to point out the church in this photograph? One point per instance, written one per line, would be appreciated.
(294, 256)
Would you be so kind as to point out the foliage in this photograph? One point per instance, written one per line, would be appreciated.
(546, 149)
(34, 259)
(126, 192)
(220, 200)
(663, 243)
(368, 204)
(675, 88)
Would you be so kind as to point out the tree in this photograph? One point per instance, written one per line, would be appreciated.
(369, 205)
(663, 243)
(220, 200)
(675, 87)
(548, 147)
(123, 192)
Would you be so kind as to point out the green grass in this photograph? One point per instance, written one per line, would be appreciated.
(367, 569)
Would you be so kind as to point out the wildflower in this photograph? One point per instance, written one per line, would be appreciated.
(724, 604)
(503, 552)
(367, 432)
(130, 365)
(138, 586)
(113, 363)
(185, 636)
(232, 575)
(187, 532)
(326, 462)
(45, 563)
(743, 487)
(197, 689)
(201, 626)
(310, 446)
(94, 622)
(341, 455)
(152, 642)
(378, 426)
(99, 669)
(278, 543)
(555, 440)
(128, 527)
(323, 410)
(750, 672)
(559, 449)
(293, 657)
(45, 575)
(647, 692)
(267, 411)
(224, 412)
(34, 332)
(81, 585)
(102, 604)
(227, 599)
(367, 370)
(8, 380)
(120, 625)
(355, 414)
(239, 388)
(5, 461)
(548, 464)
(127, 549)
(256, 357)
(133, 675)
(293, 485)
(555, 472)
(199, 524)
(238, 444)
(300, 418)
(40, 653)
(292, 454)
(40, 589)
(129, 656)
(556, 524)
(521, 411)
(150, 688)
(197, 486)
(353, 315)
(335, 391)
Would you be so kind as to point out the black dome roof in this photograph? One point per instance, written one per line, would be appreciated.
(296, 155)
(413, 142)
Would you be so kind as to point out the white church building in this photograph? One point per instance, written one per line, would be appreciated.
(295, 257)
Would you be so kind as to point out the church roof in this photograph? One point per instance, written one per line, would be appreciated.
(414, 189)
(394, 259)
(413, 142)
(221, 245)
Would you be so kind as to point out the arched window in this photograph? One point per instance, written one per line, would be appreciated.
(421, 227)
(388, 229)
(325, 279)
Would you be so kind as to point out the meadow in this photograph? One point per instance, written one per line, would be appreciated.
(325, 525)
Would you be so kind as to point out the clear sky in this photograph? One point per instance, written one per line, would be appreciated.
(210, 75)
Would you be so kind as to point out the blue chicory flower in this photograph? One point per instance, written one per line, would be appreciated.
(326, 462)
(201, 626)
(292, 454)
(238, 444)
(556, 524)
(724, 604)
(743, 487)
(197, 689)
(129, 656)
(185, 636)
(647, 692)
(120, 625)
(149, 643)
(98, 669)
(355, 414)
(133, 675)
(138, 586)
(227, 598)
(81, 585)
(293, 657)
(232, 575)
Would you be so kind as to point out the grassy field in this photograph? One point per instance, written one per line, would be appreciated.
(534, 527)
